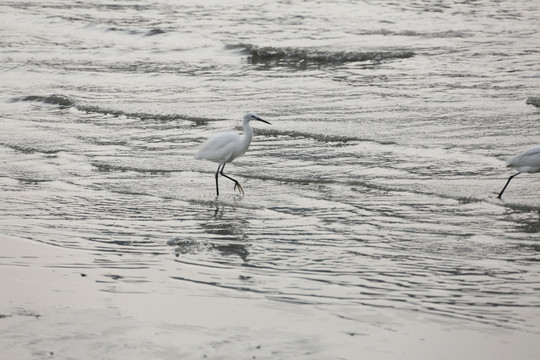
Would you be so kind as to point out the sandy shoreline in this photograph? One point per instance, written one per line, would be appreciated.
(51, 309)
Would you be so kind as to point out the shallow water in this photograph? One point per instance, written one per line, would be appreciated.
(369, 225)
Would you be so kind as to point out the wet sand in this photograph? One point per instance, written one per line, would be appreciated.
(50, 311)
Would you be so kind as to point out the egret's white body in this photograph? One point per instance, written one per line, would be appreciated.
(224, 148)
(526, 162)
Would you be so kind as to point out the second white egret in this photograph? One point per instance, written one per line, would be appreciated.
(224, 148)
(526, 162)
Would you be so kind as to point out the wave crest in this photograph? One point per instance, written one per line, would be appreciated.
(297, 56)
(534, 101)
(65, 102)
(54, 99)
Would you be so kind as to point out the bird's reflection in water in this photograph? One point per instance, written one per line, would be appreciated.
(226, 230)
(227, 222)
(220, 209)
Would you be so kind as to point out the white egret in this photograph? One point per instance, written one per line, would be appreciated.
(224, 148)
(526, 162)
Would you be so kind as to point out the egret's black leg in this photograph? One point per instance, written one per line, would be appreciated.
(508, 182)
(217, 173)
(236, 183)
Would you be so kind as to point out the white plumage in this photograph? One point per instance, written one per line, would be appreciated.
(526, 162)
(224, 148)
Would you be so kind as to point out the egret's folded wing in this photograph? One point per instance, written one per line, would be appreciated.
(218, 148)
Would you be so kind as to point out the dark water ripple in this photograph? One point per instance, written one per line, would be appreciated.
(294, 56)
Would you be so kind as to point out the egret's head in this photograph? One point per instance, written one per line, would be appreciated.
(252, 116)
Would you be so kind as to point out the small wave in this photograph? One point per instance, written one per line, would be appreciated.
(438, 34)
(65, 102)
(320, 137)
(155, 31)
(152, 66)
(31, 148)
(141, 115)
(534, 101)
(298, 56)
(54, 99)
(152, 32)
(103, 167)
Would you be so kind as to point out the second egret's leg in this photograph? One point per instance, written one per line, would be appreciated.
(236, 183)
(508, 182)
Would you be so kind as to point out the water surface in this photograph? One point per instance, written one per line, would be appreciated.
(369, 225)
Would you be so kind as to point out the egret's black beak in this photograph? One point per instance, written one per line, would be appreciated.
(264, 121)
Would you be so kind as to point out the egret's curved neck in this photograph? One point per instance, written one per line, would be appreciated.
(248, 132)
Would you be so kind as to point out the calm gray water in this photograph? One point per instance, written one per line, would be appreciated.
(369, 225)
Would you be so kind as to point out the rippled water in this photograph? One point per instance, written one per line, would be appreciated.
(369, 226)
